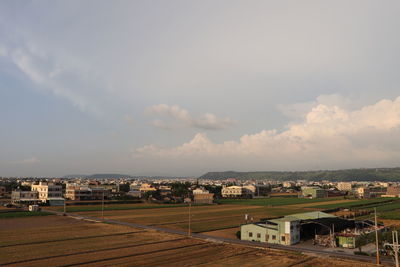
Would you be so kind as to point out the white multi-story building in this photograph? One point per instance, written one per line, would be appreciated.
(49, 192)
(232, 191)
(200, 191)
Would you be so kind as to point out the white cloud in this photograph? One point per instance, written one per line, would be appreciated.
(328, 135)
(64, 78)
(300, 110)
(207, 121)
(160, 124)
(28, 161)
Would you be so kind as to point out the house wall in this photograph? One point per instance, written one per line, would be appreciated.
(252, 232)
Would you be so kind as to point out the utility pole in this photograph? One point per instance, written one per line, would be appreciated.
(378, 261)
(102, 206)
(189, 232)
(395, 246)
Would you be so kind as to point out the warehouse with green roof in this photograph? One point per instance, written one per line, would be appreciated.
(289, 230)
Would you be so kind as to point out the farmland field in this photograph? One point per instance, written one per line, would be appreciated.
(356, 203)
(17, 214)
(275, 201)
(63, 241)
(204, 218)
(133, 206)
(230, 214)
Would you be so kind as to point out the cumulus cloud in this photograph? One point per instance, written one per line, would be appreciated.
(207, 121)
(328, 134)
(160, 124)
(300, 110)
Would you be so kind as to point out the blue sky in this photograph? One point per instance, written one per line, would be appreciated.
(186, 87)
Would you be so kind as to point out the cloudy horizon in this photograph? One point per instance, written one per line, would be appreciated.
(181, 88)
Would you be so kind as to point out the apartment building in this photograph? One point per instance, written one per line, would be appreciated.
(49, 193)
(202, 196)
(232, 191)
(24, 197)
(393, 191)
(2, 191)
(146, 188)
(344, 186)
(79, 193)
(313, 192)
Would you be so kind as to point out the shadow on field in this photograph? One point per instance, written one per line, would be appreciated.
(69, 239)
(100, 250)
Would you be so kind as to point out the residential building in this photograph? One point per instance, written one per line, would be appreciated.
(287, 184)
(313, 192)
(249, 189)
(78, 193)
(232, 191)
(2, 191)
(146, 188)
(24, 197)
(207, 198)
(110, 187)
(200, 191)
(393, 191)
(363, 192)
(49, 193)
(135, 193)
(343, 186)
(202, 196)
(100, 193)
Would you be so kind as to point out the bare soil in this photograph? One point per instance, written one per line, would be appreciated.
(63, 241)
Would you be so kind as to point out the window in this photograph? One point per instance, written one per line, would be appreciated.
(266, 237)
(283, 238)
(250, 234)
(273, 237)
(258, 235)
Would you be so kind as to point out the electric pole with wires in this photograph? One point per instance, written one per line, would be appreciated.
(395, 246)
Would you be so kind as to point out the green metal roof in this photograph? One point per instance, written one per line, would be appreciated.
(311, 215)
(303, 216)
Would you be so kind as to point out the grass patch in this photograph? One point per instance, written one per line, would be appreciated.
(19, 214)
(351, 204)
(390, 215)
(116, 207)
(275, 201)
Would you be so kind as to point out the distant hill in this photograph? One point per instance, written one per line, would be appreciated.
(376, 174)
(108, 175)
(99, 176)
(69, 176)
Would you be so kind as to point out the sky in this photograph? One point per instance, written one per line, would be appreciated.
(180, 88)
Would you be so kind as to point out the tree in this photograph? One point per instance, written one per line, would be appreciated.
(124, 187)
(362, 240)
(180, 189)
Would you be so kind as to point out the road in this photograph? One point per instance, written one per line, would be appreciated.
(209, 238)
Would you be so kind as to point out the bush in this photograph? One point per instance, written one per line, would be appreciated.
(238, 234)
(362, 253)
